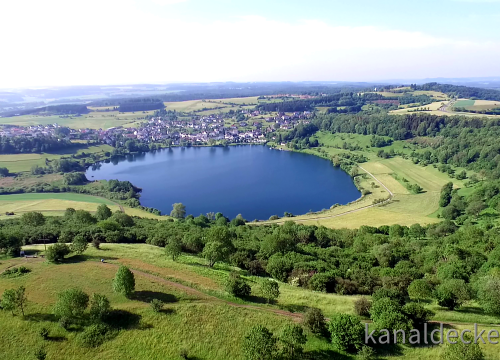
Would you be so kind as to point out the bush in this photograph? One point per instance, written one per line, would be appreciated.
(94, 335)
(392, 294)
(124, 281)
(56, 253)
(362, 307)
(44, 333)
(157, 305)
(417, 313)
(236, 286)
(270, 290)
(40, 354)
(71, 304)
(366, 353)
(420, 289)
(15, 272)
(461, 351)
(259, 344)
(99, 307)
(64, 322)
(292, 339)
(314, 320)
(346, 332)
(324, 282)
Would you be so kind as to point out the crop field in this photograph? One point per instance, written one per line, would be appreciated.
(240, 101)
(192, 105)
(433, 107)
(92, 120)
(23, 162)
(196, 318)
(464, 103)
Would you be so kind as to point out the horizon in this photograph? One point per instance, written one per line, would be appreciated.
(171, 41)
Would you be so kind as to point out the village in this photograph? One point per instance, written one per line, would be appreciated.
(253, 127)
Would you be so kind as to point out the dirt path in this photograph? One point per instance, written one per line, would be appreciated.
(190, 290)
(391, 196)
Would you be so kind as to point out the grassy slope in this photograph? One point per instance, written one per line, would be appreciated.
(195, 322)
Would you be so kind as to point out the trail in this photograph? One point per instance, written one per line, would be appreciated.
(391, 196)
(190, 290)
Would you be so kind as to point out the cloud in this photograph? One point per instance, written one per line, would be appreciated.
(58, 44)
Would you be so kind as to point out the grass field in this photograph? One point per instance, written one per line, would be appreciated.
(23, 162)
(54, 204)
(92, 120)
(194, 320)
(464, 103)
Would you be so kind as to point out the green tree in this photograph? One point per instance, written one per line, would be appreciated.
(33, 219)
(99, 307)
(475, 208)
(236, 286)
(103, 212)
(4, 172)
(259, 344)
(9, 300)
(57, 252)
(270, 290)
(292, 339)
(82, 217)
(123, 219)
(420, 289)
(79, 244)
(124, 281)
(489, 294)
(314, 320)
(20, 298)
(71, 304)
(416, 231)
(347, 332)
(219, 245)
(174, 248)
(452, 293)
(178, 211)
(445, 197)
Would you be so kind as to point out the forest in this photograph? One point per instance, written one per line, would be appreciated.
(140, 104)
(66, 109)
(39, 144)
(465, 92)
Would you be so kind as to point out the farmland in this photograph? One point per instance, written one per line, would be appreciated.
(23, 162)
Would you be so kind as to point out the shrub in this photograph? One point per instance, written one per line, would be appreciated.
(270, 290)
(44, 333)
(40, 354)
(71, 304)
(259, 344)
(124, 281)
(99, 307)
(64, 322)
(94, 335)
(346, 332)
(15, 272)
(57, 252)
(157, 305)
(392, 294)
(362, 307)
(461, 351)
(324, 282)
(314, 321)
(366, 353)
(236, 286)
(79, 244)
(292, 339)
(417, 313)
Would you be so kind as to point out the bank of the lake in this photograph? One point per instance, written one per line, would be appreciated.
(255, 181)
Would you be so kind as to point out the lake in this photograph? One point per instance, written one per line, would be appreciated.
(254, 181)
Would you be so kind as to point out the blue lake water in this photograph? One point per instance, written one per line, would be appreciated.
(254, 181)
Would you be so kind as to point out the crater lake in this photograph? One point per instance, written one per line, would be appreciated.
(254, 181)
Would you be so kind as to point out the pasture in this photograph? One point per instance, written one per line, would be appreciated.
(464, 103)
(198, 311)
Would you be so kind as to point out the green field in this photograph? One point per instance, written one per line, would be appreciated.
(197, 317)
(24, 162)
(92, 120)
(464, 103)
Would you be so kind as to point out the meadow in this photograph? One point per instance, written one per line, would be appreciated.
(197, 315)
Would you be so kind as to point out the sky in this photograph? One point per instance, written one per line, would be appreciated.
(94, 42)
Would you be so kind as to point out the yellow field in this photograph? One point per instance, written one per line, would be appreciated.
(244, 100)
(433, 107)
